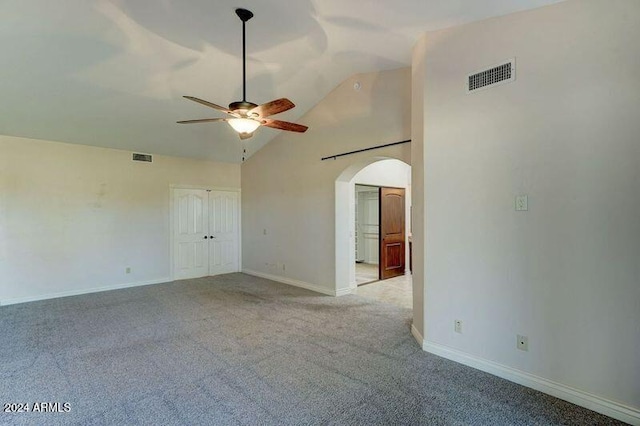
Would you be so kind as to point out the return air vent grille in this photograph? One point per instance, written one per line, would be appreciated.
(142, 157)
(498, 74)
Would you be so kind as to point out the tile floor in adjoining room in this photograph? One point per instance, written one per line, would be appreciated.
(397, 291)
(366, 273)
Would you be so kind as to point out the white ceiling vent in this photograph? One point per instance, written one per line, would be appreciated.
(142, 157)
(492, 76)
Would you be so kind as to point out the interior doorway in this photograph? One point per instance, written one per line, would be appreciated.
(351, 251)
(380, 233)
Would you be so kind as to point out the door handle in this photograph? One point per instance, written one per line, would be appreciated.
(212, 237)
(205, 237)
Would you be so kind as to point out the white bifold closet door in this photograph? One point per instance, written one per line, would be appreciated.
(206, 233)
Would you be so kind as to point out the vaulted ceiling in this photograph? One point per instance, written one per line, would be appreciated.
(112, 73)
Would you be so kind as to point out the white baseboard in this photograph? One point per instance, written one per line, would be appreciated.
(575, 396)
(82, 291)
(290, 281)
(417, 336)
(345, 291)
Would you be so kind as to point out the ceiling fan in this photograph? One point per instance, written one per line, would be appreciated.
(246, 117)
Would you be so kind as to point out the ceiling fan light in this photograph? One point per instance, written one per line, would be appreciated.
(243, 125)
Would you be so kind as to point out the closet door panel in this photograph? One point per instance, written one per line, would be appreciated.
(191, 230)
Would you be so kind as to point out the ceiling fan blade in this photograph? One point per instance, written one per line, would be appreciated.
(273, 107)
(284, 125)
(202, 120)
(244, 136)
(211, 105)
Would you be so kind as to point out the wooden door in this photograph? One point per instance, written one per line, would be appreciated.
(392, 232)
(223, 232)
(191, 229)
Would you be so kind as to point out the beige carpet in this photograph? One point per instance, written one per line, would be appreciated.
(240, 350)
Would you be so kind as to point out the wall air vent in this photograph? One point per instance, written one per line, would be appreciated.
(493, 76)
(142, 157)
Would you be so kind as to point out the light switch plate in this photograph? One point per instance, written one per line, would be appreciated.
(522, 203)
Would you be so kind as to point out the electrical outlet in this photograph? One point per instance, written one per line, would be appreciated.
(523, 343)
(128, 270)
(457, 326)
(264, 231)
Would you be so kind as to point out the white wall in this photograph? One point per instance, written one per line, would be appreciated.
(73, 217)
(392, 173)
(566, 132)
(418, 218)
(289, 192)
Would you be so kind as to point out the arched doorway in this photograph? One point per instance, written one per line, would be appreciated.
(345, 215)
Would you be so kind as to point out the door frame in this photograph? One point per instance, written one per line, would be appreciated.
(172, 187)
(379, 189)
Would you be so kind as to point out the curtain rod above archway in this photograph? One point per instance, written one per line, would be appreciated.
(365, 149)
